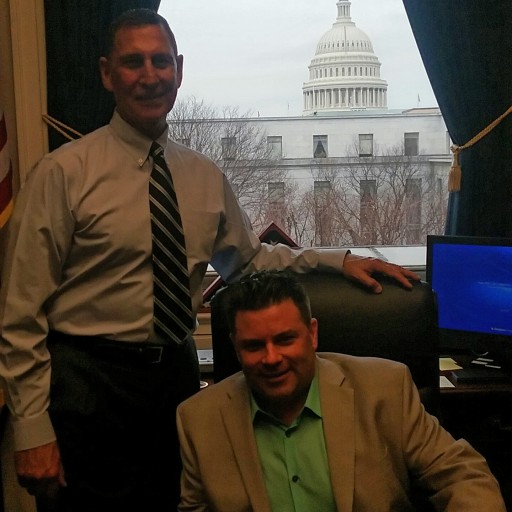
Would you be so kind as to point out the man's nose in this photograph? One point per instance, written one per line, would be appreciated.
(149, 74)
(272, 354)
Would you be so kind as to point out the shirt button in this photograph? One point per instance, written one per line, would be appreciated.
(295, 478)
(288, 433)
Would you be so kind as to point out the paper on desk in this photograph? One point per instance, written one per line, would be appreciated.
(447, 363)
(444, 382)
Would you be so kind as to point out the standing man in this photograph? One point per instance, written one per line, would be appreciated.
(306, 432)
(97, 312)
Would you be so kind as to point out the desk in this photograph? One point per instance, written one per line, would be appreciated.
(482, 414)
(464, 361)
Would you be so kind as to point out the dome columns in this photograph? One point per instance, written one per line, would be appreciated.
(343, 10)
(344, 98)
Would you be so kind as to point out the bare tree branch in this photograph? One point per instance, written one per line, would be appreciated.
(388, 198)
(236, 145)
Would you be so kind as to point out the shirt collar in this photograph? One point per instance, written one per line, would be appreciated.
(136, 144)
(312, 404)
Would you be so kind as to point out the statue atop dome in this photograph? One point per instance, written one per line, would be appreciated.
(344, 74)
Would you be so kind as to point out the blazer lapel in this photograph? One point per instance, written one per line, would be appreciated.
(337, 400)
(237, 420)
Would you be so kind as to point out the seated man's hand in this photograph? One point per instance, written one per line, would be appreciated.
(360, 268)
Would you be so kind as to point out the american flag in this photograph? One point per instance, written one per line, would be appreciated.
(5, 174)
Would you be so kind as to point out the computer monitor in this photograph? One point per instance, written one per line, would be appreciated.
(472, 281)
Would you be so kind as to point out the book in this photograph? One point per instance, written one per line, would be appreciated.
(480, 375)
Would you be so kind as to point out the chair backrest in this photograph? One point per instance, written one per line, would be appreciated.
(398, 324)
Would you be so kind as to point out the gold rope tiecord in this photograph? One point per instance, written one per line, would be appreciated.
(455, 176)
(60, 127)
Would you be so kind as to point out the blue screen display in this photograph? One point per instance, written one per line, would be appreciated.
(473, 285)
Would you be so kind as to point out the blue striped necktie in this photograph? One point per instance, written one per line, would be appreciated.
(173, 318)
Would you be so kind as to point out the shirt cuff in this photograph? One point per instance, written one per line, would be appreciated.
(32, 432)
(333, 259)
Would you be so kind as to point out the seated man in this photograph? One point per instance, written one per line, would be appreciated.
(296, 430)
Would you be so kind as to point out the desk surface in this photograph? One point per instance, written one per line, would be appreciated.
(465, 361)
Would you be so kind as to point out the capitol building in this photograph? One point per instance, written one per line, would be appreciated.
(345, 72)
(348, 171)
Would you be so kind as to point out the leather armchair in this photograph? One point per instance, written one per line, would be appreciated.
(398, 324)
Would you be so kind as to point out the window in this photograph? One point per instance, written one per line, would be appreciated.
(275, 143)
(276, 202)
(276, 192)
(367, 211)
(319, 146)
(322, 189)
(228, 148)
(353, 135)
(323, 213)
(365, 144)
(411, 143)
(185, 141)
(413, 211)
(448, 142)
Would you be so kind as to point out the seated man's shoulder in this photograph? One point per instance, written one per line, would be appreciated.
(346, 361)
(214, 394)
(362, 370)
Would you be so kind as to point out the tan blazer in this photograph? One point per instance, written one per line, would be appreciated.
(378, 438)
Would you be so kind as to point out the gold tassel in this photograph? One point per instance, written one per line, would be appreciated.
(455, 176)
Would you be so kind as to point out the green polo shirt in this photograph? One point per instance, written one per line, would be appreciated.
(294, 458)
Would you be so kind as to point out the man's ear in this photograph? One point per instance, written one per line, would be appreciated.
(232, 338)
(179, 69)
(105, 73)
(314, 332)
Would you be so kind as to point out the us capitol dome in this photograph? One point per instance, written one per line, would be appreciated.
(344, 74)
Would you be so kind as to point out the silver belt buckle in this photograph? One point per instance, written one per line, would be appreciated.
(158, 359)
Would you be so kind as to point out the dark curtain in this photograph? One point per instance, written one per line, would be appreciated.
(466, 46)
(75, 34)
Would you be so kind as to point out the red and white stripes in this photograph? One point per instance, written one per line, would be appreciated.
(6, 199)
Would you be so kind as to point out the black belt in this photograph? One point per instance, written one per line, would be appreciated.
(129, 352)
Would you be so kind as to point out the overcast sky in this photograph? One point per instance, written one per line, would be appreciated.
(255, 54)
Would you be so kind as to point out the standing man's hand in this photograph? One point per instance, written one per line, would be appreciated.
(360, 268)
(40, 471)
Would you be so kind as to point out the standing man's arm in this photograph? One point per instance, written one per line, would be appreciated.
(40, 470)
(360, 268)
(238, 250)
(40, 232)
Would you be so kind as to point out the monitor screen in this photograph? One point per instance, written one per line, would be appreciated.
(472, 280)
